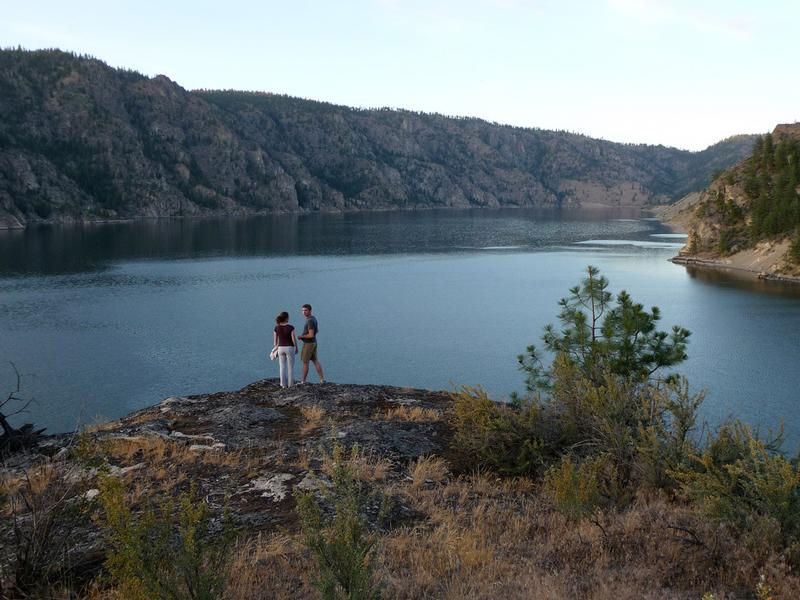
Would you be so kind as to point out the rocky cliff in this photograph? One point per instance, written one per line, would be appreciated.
(748, 218)
(82, 141)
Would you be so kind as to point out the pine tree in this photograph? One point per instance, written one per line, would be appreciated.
(599, 338)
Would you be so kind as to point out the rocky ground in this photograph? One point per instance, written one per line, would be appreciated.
(243, 451)
(443, 529)
(253, 446)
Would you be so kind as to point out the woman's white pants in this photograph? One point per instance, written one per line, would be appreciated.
(286, 365)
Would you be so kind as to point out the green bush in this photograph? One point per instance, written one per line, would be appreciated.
(743, 480)
(664, 438)
(342, 546)
(159, 555)
(642, 429)
(575, 489)
(504, 438)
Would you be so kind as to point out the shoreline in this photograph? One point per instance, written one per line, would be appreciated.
(715, 265)
(327, 211)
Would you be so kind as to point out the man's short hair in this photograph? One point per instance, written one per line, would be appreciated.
(308, 306)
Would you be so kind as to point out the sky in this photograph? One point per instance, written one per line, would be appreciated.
(680, 73)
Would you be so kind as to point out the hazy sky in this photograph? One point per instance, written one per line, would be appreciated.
(681, 73)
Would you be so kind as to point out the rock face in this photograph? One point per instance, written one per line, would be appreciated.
(82, 141)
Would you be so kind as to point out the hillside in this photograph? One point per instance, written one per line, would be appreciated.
(80, 140)
(749, 216)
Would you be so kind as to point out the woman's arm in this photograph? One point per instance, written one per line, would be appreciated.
(274, 339)
(294, 341)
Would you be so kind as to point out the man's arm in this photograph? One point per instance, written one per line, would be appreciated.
(309, 335)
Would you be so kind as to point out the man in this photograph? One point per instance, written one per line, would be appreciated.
(309, 338)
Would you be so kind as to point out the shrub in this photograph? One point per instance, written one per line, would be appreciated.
(642, 429)
(45, 509)
(503, 438)
(664, 438)
(745, 481)
(159, 556)
(342, 546)
(575, 489)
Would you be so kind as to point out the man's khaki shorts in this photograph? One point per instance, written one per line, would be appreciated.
(309, 352)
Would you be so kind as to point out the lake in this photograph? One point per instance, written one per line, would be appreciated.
(104, 319)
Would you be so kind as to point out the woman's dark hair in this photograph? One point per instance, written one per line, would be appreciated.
(282, 318)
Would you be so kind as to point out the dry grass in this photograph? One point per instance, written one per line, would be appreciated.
(99, 425)
(476, 536)
(303, 460)
(34, 482)
(481, 536)
(155, 450)
(428, 469)
(416, 414)
(484, 540)
(313, 415)
(279, 454)
(365, 465)
(155, 466)
(267, 567)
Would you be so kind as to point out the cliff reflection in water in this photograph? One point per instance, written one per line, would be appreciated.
(743, 281)
(58, 249)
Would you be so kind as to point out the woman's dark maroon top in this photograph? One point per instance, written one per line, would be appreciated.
(284, 335)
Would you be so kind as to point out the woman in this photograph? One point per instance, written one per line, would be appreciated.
(285, 342)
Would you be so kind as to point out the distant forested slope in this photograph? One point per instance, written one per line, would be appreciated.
(80, 140)
(752, 207)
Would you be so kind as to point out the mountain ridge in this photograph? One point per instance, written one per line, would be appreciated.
(82, 141)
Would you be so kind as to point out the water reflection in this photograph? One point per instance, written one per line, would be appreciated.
(740, 280)
(91, 247)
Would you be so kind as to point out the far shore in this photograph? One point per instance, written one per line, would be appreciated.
(719, 265)
(759, 262)
(588, 207)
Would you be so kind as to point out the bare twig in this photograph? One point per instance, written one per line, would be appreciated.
(693, 539)
(11, 438)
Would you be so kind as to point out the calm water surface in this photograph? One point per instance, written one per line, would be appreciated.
(105, 319)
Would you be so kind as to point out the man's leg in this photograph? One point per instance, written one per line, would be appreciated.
(318, 367)
(305, 372)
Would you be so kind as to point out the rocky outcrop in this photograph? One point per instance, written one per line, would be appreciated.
(244, 452)
(283, 433)
(746, 219)
(82, 141)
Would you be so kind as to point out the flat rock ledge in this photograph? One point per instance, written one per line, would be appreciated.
(380, 419)
(246, 451)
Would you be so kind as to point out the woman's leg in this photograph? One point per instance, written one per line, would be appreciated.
(282, 359)
(290, 366)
